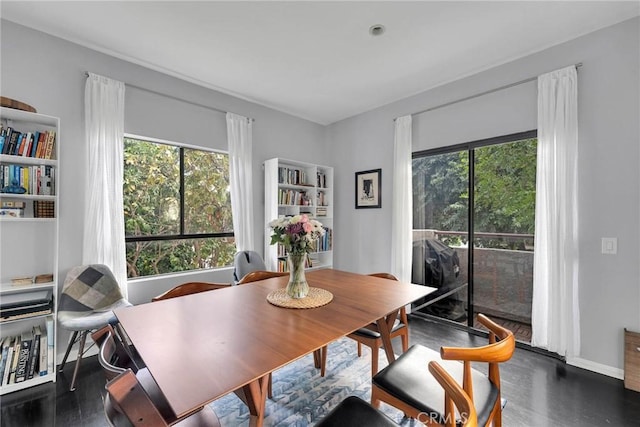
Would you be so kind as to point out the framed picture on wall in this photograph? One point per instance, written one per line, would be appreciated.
(368, 186)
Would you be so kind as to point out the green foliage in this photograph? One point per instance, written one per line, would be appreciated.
(152, 208)
(504, 194)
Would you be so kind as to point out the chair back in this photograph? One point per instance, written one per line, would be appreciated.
(129, 401)
(188, 289)
(245, 262)
(403, 311)
(88, 288)
(112, 355)
(254, 276)
(502, 345)
(454, 395)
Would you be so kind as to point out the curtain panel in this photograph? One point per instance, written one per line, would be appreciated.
(103, 240)
(555, 313)
(402, 201)
(239, 136)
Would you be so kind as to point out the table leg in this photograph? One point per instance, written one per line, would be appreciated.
(384, 327)
(254, 395)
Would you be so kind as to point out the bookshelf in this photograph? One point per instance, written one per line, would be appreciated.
(293, 188)
(29, 243)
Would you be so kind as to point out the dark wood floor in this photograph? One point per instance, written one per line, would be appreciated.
(540, 390)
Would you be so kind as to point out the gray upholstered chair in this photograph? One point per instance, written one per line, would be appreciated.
(90, 293)
(245, 262)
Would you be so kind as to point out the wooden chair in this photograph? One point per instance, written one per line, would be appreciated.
(190, 288)
(128, 404)
(254, 276)
(355, 412)
(370, 335)
(113, 354)
(134, 399)
(405, 384)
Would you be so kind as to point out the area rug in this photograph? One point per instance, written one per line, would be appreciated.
(301, 397)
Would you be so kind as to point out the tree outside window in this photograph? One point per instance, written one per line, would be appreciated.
(177, 208)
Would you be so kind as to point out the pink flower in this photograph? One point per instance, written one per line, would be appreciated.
(308, 228)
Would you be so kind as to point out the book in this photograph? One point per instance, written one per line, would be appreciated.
(51, 138)
(34, 360)
(9, 362)
(42, 141)
(5, 351)
(13, 142)
(7, 140)
(34, 146)
(43, 364)
(14, 360)
(50, 344)
(28, 144)
(3, 134)
(24, 356)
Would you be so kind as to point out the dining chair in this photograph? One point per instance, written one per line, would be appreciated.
(406, 385)
(245, 262)
(113, 356)
(370, 334)
(133, 397)
(188, 289)
(90, 293)
(128, 403)
(355, 412)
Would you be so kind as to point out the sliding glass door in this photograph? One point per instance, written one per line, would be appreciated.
(474, 207)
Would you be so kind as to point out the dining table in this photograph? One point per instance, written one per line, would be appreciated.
(201, 347)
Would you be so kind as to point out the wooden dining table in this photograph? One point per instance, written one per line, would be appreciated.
(201, 347)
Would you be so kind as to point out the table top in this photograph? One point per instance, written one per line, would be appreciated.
(201, 347)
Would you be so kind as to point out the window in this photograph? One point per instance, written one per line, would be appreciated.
(473, 222)
(177, 208)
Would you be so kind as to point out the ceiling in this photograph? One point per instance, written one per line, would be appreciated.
(316, 59)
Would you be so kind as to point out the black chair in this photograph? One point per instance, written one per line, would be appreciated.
(355, 412)
(245, 262)
(406, 385)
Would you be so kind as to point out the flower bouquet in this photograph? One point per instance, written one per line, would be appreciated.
(298, 235)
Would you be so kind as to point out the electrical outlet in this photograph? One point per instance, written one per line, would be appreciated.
(609, 245)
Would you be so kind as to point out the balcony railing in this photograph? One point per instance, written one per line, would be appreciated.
(503, 271)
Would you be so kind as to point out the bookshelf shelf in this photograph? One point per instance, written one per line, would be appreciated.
(29, 248)
(293, 188)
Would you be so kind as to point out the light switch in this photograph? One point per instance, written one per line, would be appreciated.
(609, 245)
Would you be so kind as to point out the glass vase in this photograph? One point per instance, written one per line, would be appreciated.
(297, 286)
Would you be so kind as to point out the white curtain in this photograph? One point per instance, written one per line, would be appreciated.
(402, 201)
(103, 241)
(555, 317)
(239, 136)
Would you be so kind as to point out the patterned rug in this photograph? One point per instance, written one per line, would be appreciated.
(302, 397)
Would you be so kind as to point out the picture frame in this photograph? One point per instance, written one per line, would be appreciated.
(368, 189)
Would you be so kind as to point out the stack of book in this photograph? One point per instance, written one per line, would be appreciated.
(27, 355)
(26, 304)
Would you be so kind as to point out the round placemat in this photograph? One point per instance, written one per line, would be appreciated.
(316, 298)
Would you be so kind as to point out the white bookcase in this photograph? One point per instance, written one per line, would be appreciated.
(292, 188)
(29, 239)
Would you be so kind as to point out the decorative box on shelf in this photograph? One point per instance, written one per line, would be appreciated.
(43, 209)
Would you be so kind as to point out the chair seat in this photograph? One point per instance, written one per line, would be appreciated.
(354, 411)
(408, 380)
(365, 332)
(88, 320)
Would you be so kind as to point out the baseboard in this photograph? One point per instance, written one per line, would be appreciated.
(596, 367)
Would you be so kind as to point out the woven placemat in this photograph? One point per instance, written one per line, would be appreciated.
(316, 298)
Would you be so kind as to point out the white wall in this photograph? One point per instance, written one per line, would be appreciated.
(609, 202)
(49, 74)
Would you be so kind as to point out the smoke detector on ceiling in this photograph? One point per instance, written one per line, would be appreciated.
(376, 30)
